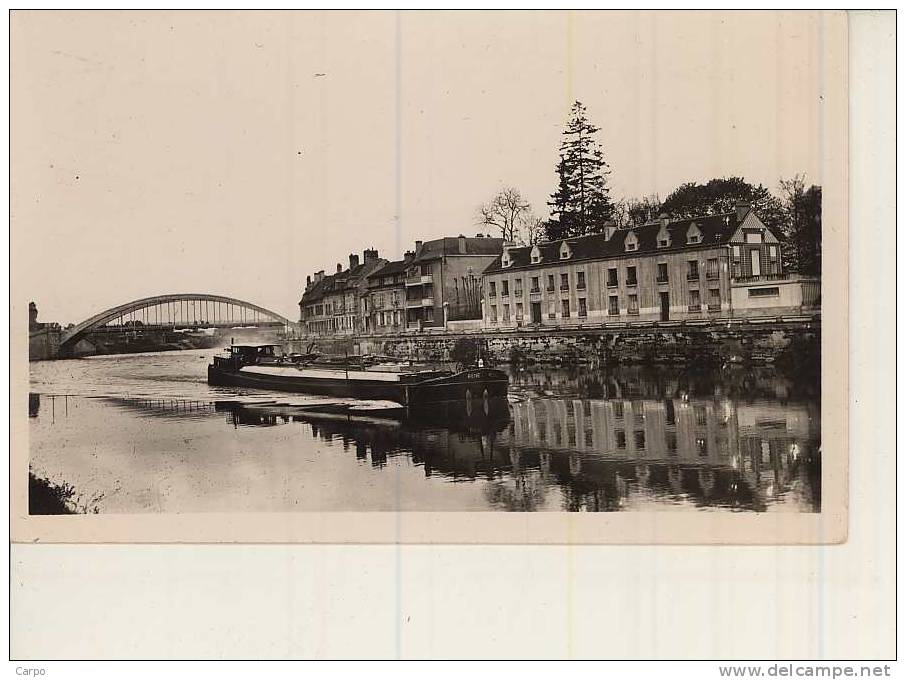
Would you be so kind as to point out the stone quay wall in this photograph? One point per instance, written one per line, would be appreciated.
(756, 342)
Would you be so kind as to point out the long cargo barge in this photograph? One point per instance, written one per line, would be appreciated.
(263, 367)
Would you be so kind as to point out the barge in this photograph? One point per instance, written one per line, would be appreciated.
(264, 367)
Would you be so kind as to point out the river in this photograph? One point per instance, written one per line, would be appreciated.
(144, 433)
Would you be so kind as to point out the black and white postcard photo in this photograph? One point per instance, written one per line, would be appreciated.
(426, 277)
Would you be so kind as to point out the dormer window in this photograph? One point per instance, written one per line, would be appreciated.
(694, 235)
(536, 255)
(631, 242)
(505, 259)
(663, 238)
(565, 251)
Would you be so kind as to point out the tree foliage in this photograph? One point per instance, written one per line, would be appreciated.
(632, 211)
(802, 251)
(512, 216)
(581, 205)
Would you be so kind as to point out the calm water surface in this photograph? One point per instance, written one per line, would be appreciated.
(145, 433)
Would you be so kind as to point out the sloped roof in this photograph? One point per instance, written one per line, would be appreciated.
(389, 269)
(474, 245)
(715, 230)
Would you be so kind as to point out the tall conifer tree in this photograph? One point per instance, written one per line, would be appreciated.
(581, 205)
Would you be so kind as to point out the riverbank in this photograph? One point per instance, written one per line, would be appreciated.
(773, 341)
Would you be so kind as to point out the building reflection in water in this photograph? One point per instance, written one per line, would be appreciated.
(594, 441)
(604, 454)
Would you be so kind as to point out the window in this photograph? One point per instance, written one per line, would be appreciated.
(662, 272)
(565, 251)
(695, 301)
(536, 285)
(630, 245)
(753, 237)
(505, 260)
(694, 238)
(620, 436)
(550, 282)
(504, 288)
(612, 281)
(701, 416)
(735, 252)
(506, 312)
(551, 310)
(639, 436)
(633, 304)
(702, 445)
(692, 274)
(613, 305)
(564, 281)
(630, 276)
(492, 291)
(536, 255)
(712, 271)
(583, 309)
(764, 292)
(755, 257)
(565, 307)
(519, 311)
(773, 252)
(429, 313)
(714, 300)
(518, 288)
(580, 280)
(493, 313)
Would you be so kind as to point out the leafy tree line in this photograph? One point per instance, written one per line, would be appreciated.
(581, 203)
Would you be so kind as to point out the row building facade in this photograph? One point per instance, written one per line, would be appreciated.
(706, 267)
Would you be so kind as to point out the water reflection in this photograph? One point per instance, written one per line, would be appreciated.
(626, 439)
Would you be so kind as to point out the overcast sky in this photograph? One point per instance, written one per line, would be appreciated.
(235, 153)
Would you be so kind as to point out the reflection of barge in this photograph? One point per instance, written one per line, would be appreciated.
(261, 366)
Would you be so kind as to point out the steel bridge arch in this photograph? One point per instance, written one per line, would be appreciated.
(73, 335)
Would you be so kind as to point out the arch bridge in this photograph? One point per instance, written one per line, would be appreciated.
(175, 311)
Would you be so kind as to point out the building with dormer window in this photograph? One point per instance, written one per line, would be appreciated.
(706, 267)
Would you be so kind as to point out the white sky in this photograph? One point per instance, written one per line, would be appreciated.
(201, 152)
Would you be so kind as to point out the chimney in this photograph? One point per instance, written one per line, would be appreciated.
(353, 260)
(609, 229)
(409, 254)
(339, 267)
(462, 244)
(479, 235)
(307, 282)
(418, 246)
(663, 219)
(370, 255)
(319, 275)
(742, 209)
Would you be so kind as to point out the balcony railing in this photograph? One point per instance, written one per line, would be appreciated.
(518, 293)
(418, 279)
(712, 275)
(761, 277)
(564, 286)
(714, 307)
(630, 282)
(492, 294)
(535, 291)
(662, 278)
(692, 277)
(550, 289)
(633, 312)
(614, 284)
(580, 286)
(696, 308)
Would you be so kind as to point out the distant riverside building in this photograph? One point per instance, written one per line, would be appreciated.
(385, 306)
(332, 304)
(443, 282)
(694, 268)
